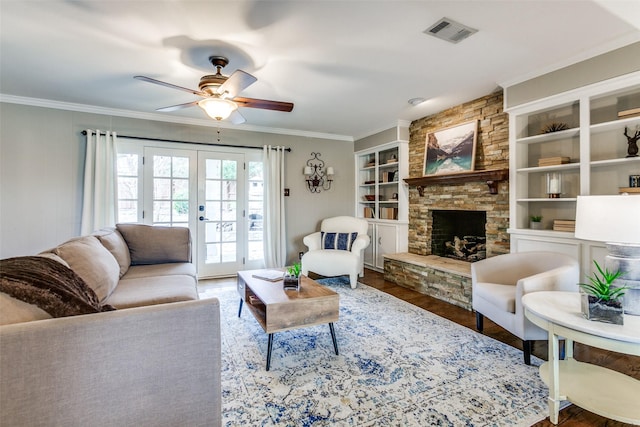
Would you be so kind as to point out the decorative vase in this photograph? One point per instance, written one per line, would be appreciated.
(535, 225)
(599, 310)
(291, 282)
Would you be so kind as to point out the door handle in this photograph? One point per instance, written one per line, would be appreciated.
(203, 219)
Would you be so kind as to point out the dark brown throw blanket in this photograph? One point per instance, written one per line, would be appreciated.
(46, 283)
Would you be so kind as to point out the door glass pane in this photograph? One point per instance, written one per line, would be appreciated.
(180, 167)
(221, 210)
(213, 253)
(229, 211)
(214, 167)
(229, 190)
(161, 212)
(171, 190)
(212, 232)
(162, 188)
(213, 190)
(229, 169)
(161, 166)
(180, 211)
(228, 252)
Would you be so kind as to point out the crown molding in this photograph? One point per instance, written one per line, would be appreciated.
(84, 108)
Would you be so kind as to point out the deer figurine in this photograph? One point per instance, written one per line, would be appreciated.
(632, 150)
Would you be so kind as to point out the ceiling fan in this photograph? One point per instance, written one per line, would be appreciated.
(219, 94)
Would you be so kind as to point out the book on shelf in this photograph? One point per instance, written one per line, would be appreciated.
(564, 225)
(369, 212)
(269, 275)
(553, 161)
(629, 190)
(388, 213)
(633, 112)
(387, 176)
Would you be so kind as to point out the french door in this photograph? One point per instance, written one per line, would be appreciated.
(207, 192)
(220, 231)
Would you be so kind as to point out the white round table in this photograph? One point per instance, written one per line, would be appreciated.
(597, 389)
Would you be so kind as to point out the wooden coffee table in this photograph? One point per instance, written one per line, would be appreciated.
(278, 310)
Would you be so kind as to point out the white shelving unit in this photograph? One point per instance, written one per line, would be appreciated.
(596, 146)
(382, 199)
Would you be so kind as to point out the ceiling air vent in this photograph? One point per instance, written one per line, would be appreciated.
(450, 30)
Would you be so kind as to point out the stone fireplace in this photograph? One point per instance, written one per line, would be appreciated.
(424, 268)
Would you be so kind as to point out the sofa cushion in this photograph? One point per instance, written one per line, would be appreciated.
(169, 269)
(114, 242)
(54, 257)
(153, 290)
(92, 262)
(155, 245)
(340, 241)
(47, 286)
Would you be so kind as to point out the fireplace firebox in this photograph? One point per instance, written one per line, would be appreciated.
(459, 234)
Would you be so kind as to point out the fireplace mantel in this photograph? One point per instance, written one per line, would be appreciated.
(492, 177)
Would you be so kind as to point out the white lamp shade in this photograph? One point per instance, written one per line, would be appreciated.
(307, 170)
(329, 170)
(611, 219)
(217, 108)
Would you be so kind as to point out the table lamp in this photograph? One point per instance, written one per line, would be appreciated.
(615, 220)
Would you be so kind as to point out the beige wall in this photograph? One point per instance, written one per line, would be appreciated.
(41, 167)
(612, 64)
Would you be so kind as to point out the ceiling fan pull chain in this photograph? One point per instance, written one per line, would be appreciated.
(218, 133)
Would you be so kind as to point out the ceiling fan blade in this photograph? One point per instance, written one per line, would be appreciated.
(264, 104)
(178, 107)
(236, 118)
(236, 83)
(169, 85)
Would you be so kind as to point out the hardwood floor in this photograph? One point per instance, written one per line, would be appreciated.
(572, 416)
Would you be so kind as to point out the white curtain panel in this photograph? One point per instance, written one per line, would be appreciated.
(100, 198)
(275, 244)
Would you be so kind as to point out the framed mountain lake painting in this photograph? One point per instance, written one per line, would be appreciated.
(451, 150)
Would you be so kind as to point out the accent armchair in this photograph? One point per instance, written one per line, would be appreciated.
(500, 282)
(337, 249)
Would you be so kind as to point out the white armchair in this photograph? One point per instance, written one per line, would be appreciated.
(337, 232)
(500, 282)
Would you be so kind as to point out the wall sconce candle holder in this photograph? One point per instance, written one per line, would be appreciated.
(318, 178)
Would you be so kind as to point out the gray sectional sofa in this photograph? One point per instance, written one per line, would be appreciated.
(153, 361)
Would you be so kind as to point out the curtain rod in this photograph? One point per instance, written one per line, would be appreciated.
(84, 132)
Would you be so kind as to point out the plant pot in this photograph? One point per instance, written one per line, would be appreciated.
(596, 309)
(291, 283)
(535, 225)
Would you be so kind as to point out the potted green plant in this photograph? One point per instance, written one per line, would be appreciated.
(600, 299)
(536, 222)
(292, 277)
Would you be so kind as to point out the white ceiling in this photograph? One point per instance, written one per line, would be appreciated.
(348, 66)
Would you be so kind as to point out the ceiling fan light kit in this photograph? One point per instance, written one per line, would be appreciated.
(217, 108)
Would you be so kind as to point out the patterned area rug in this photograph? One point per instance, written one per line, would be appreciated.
(399, 365)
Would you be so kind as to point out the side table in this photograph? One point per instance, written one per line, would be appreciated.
(595, 388)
